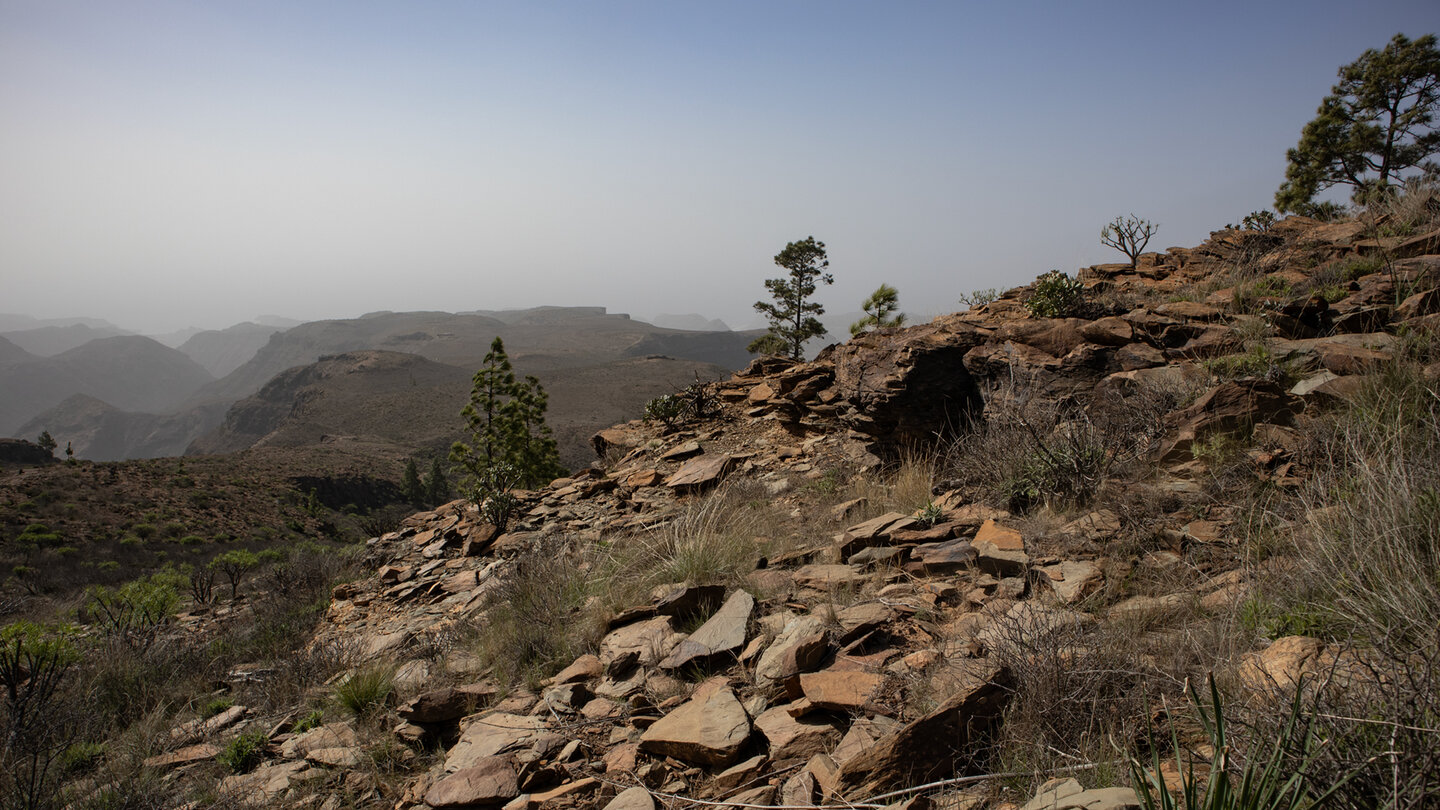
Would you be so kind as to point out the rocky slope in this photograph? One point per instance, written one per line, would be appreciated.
(860, 653)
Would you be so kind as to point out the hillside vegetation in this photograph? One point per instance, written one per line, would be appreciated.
(994, 560)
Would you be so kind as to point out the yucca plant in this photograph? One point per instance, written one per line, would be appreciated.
(1273, 782)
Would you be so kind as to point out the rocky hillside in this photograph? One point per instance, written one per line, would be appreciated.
(970, 563)
(221, 351)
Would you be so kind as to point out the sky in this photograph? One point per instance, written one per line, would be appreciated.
(198, 163)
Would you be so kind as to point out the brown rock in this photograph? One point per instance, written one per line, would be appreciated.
(1003, 538)
(635, 798)
(489, 781)
(184, 756)
(824, 577)
(844, 691)
(682, 451)
(798, 648)
(1189, 311)
(795, 738)
(937, 744)
(722, 634)
(709, 729)
(1418, 305)
(1225, 409)
(330, 735)
(644, 478)
(1110, 331)
(444, 705)
(944, 558)
(1341, 359)
(701, 472)
(584, 668)
(741, 773)
(496, 733)
(647, 641)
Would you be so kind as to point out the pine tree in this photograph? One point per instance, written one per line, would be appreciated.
(1377, 123)
(792, 316)
(878, 308)
(506, 421)
(47, 442)
(437, 488)
(410, 488)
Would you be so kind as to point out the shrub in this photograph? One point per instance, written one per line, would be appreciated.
(1055, 295)
(533, 623)
(245, 752)
(1129, 235)
(215, 707)
(366, 690)
(979, 298)
(308, 722)
(1269, 782)
(1261, 220)
(667, 409)
(134, 613)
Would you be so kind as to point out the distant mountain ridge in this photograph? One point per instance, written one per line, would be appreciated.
(581, 354)
(131, 373)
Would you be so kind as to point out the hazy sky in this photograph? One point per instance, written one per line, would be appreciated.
(166, 164)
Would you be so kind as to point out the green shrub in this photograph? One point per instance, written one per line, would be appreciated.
(135, 612)
(245, 752)
(308, 722)
(366, 690)
(668, 410)
(215, 707)
(82, 757)
(1055, 295)
(1268, 780)
(930, 515)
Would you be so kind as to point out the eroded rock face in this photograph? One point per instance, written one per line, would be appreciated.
(908, 386)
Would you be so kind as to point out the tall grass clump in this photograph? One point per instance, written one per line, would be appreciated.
(1368, 551)
(366, 691)
(534, 622)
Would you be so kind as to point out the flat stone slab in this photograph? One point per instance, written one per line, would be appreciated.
(795, 738)
(648, 641)
(722, 633)
(489, 781)
(700, 472)
(497, 733)
(945, 558)
(822, 576)
(798, 648)
(843, 691)
(709, 729)
(184, 756)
